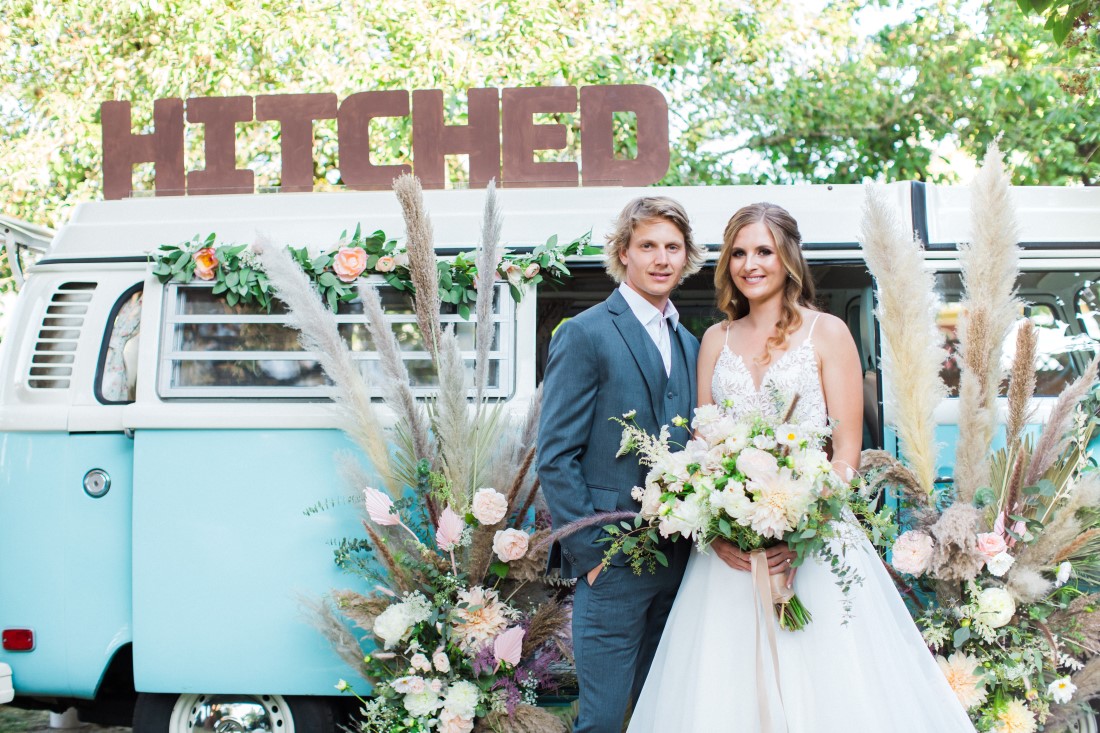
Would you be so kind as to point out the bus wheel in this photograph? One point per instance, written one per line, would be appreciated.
(187, 713)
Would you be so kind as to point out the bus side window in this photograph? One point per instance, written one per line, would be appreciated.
(118, 366)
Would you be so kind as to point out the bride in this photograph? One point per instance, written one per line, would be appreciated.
(714, 669)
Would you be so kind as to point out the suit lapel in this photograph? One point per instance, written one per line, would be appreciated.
(640, 345)
(685, 345)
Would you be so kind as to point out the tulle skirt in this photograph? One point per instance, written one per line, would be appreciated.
(873, 673)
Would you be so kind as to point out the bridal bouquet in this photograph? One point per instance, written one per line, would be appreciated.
(755, 482)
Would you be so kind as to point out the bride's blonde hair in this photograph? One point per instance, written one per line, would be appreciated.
(799, 287)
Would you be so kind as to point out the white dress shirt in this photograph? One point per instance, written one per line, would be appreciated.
(655, 322)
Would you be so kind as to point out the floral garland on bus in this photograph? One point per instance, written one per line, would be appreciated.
(239, 277)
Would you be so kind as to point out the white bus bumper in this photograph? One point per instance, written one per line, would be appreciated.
(7, 691)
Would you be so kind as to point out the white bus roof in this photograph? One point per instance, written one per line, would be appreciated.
(828, 215)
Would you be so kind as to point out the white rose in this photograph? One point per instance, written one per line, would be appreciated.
(999, 564)
(462, 697)
(651, 500)
(687, 517)
(764, 441)
(489, 506)
(392, 624)
(995, 607)
(1063, 574)
(420, 663)
(737, 439)
(733, 501)
(912, 553)
(510, 544)
(422, 704)
(441, 662)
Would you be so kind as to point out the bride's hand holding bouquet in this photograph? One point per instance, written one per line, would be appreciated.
(756, 483)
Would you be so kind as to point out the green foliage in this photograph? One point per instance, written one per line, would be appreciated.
(235, 270)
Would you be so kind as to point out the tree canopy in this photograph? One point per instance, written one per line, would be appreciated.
(805, 92)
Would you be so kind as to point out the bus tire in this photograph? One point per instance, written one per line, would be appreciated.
(171, 713)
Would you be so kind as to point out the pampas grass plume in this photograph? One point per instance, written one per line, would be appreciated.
(913, 345)
(1021, 386)
(1056, 431)
(488, 258)
(989, 269)
(420, 245)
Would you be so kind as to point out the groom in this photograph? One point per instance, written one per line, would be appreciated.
(627, 354)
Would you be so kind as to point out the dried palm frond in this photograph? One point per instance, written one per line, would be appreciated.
(324, 619)
(319, 333)
(1056, 431)
(989, 269)
(524, 719)
(544, 625)
(913, 345)
(956, 556)
(420, 245)
(488, 258)
(1021, 385)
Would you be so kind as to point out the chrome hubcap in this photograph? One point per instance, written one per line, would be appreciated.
(231, 714)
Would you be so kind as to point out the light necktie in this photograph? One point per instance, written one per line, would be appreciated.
(664, 344)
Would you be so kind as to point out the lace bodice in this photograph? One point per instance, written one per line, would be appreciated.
(794, 372)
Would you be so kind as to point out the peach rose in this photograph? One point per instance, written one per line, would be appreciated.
(206, 264)
(531, 271)
(510, 544)
(349, 263)
(385, 264)
(489, 506)
(991, 544)
(512, 273)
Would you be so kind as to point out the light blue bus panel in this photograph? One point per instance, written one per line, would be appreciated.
(224, 558)
(69, 580)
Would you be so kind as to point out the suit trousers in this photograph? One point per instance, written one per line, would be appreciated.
(617, 624)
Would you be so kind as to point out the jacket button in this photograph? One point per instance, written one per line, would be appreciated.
(670, 395)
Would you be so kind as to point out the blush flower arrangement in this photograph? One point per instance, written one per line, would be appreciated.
(449, 620)
(754, 482)
(239, 277)
(1000, 566)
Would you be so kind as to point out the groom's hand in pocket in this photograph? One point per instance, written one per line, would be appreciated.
(594, 573)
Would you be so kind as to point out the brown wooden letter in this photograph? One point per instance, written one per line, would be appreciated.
(599, 167)
(353, 130)
(480, 139)
(220, 115)
(122, 149)
(295, 114)
(522, 137)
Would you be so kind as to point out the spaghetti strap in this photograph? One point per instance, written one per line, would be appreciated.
(727, 339)
(810, 335)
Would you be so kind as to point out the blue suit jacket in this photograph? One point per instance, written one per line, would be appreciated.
(602, 364)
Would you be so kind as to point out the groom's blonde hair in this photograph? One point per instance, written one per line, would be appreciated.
(646, 209)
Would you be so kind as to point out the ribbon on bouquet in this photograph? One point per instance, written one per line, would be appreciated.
(769, 590)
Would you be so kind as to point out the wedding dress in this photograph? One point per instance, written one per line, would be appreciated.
(873, 673)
